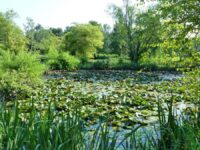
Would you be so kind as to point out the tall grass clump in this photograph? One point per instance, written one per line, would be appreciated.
(47, 130)
(177, 132)
(39, 130)
(18, 72)
(62, 60)
(181, 132)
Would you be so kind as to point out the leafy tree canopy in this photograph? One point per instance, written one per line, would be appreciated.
(83, 40)
(134, 31)
(11, 36)
(184, 12)
(41, 39)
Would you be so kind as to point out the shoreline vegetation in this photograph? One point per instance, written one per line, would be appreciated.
(48, 114)
(45, 130)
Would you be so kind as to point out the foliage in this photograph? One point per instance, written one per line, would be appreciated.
(43, 117)
(174, 133)
(57, 31)
(11, 36)
(181, 131)
(134, 31)
(18, 72)
(83, 39)
(107, 39)
(123, 97)
(39, 130)
(41, 39)
(182, 12)
(63, 112)
(118, 40)
(62, 60)
(180, 29)
(146, 35)
(102, 64)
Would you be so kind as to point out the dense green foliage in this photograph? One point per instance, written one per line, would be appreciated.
(18, 72)
(41, 39)
(11, 36)
(182, 12)
(62, 60)
(135, 32)
(83, 40)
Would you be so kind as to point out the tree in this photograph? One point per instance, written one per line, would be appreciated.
(30, 30)
(95, 23)
(123, 28)
(83, 40)
(186, 14)
(181, 21)
(11, 36)
(45, 40)
(41, 39)
(57, 31)
(134, 31)
(107, 38)
(118, 43)
(146, 34)
(182, 12)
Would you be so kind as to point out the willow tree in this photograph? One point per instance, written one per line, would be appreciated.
(83, 40)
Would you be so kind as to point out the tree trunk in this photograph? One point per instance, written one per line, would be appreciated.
(134, 54)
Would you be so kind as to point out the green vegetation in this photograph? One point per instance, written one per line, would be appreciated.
(41, 39)
(92, 86)
(83, 40)
(61, 60)
(160, 38)
(60, 115)
(11, 36)
(18, 73)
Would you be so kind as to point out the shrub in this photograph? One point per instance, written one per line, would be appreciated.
(120, 61)
(101, 56)
(62, 60)
(84, 60)
(51, 58)
(18, 72)
(102, 64)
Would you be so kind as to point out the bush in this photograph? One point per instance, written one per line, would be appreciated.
(102, 64)
(120, 61)
(18, 72)
(84, 60)
(62, 61)
(102, 56)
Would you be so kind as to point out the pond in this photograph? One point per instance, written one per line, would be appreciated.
(122, 98)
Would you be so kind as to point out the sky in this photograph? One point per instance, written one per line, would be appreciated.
(60, 13)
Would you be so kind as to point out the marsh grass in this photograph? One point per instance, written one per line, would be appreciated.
(39, 130)
(177, 134)
(47, 130)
